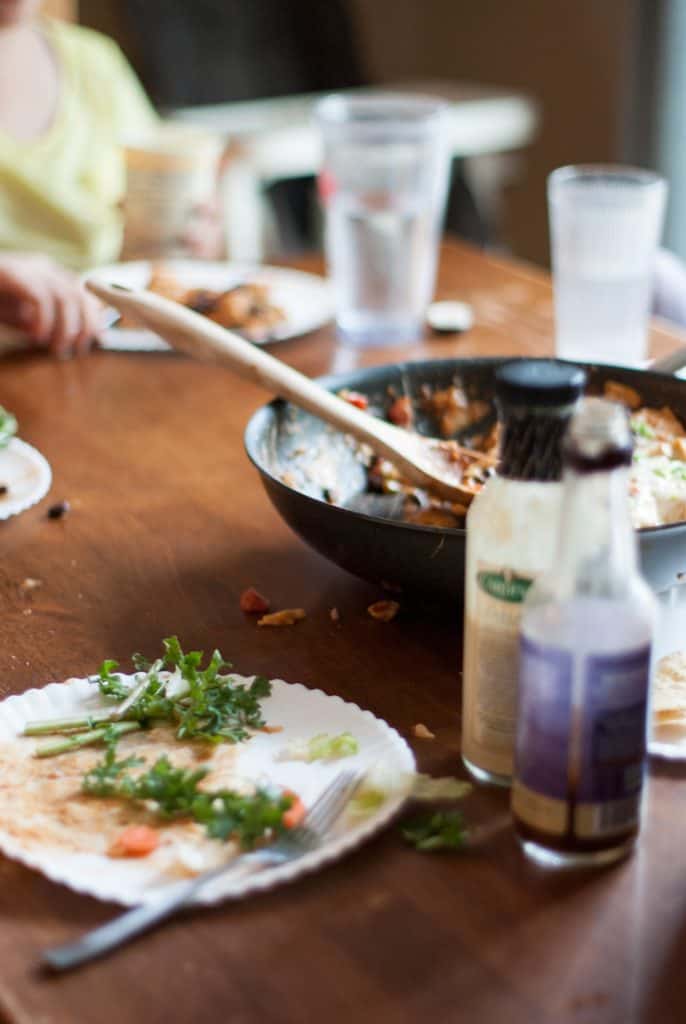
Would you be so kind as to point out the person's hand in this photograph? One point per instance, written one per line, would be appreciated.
(48, 303)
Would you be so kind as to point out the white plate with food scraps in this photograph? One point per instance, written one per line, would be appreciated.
(304, 299)
(668, 678)
(25, 477)
(49, 825)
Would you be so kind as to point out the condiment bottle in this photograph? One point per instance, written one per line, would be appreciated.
(511, 533)
(584, 668)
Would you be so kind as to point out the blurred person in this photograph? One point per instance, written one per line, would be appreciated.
(68, 99)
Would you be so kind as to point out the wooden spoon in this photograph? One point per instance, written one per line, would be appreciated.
(436, 465)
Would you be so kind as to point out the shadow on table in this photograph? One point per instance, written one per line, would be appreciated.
(666, 990)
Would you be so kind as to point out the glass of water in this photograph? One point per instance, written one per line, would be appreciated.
(383, 185)
(605, 225)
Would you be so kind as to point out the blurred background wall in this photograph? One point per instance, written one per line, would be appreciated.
(576, 58)
(668, 134)
(61, 8)
(584, 61)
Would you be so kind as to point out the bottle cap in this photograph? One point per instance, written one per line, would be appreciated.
(539, 382)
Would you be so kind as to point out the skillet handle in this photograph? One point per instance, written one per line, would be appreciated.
(671, 363)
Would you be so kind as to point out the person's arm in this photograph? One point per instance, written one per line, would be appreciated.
(48, 303)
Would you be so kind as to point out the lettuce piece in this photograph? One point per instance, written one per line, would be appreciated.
(378, 787)
(367, 800)
(8, 427)
(321, 747)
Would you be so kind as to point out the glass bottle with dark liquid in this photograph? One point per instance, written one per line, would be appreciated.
(584, 663)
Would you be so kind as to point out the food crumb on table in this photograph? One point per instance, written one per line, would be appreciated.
(384, 611)
(29, 584)
(252, 601)
(58, 510)
(285, 617)
(422, 732)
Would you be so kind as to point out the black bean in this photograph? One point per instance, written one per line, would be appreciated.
(58, 510)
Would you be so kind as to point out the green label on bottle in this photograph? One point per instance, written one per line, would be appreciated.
(504, 586)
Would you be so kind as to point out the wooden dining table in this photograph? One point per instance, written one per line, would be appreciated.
(167, 525)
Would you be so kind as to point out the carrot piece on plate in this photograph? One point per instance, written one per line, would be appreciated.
(135, 841)
(295, 815)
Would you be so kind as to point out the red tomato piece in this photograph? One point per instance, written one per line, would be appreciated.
(355, 398)
(295, 815)
(253, 602)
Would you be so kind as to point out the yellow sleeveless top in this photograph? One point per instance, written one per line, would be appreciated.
(59, 193)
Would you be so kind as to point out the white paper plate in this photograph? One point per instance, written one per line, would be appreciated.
(26, 474)
(302, 713)
(305, 298)
(669, 741)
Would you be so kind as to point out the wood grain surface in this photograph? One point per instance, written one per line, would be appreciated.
(168, 524)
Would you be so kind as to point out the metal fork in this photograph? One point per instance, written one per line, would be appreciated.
(326, 809)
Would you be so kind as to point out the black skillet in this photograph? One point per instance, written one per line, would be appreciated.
(310, 472)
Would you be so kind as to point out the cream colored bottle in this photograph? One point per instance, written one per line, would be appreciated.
(511, 539)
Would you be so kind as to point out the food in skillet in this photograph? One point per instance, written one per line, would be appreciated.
(657, 483)
(452, 411)
(244, 308)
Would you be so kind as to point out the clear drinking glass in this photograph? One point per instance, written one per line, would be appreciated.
(383, 185)
(605, 225)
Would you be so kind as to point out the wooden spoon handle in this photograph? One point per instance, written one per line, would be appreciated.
(203, 339)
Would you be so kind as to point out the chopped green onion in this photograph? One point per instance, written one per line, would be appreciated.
(643, 430)
(444, 830)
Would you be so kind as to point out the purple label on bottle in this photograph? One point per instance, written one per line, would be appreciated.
(613, 738)
(606, 763)
(543, 722)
